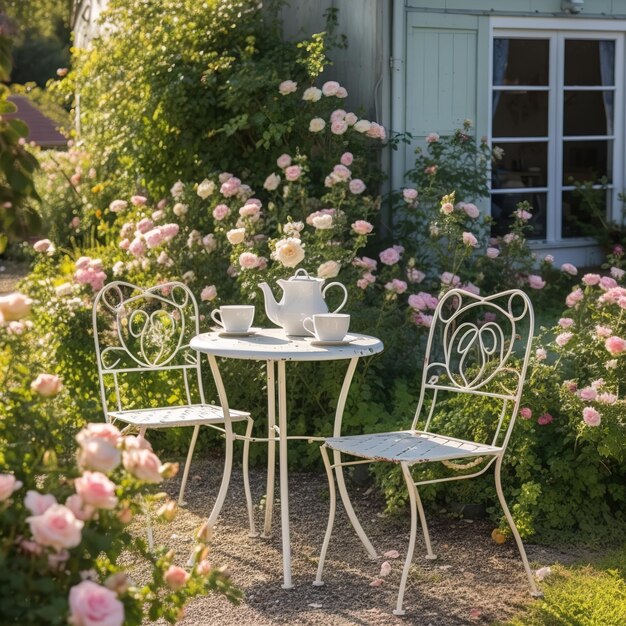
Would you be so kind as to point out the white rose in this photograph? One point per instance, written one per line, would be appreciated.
(206, 188)
(64, 290)
(179, 209)
(362, 126)
(236, 235)
(330, 269)
(272, 182)
(289, 252)
(317, 124)
(323, 222)
(312, 94)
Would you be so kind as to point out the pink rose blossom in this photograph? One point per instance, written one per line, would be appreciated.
(136, 247)
(588, 394)
(283, 161)
(563, 338)
(248, 260)
(469, 240)
(420, 319)
(176, 577)
(396, 286)
(615, 345)
(95, 489)
(342, 92)
(117, 206)
(432, 138)
(471, 288)
(38, 503)
(220, 212)
(361, 227)
(337, 114)
(423, 301)
(94, 605)
(14, 307)
(390, 256)
(287, 87)
(606, 283)
(341, 172)
(346, 159)
(525, 413)
(545, 419)
(144, 225)
(330, 88)
(230, 187)
(139, 200)
(591, 417)
(447, 208)
(8, 485)
(356, 186)
(591, 279)
(43, 245)
(493, 253)
(447, 278)
(56, 528)
(338, 127)
(271, 184)
(536, 282)
(617, 273)
(471, 210)
(293, 172)
(317, 125)
(143, 464)
(431, 170)
(154, 237)
(365, 263)
(409, 194)
(570, 269)
(603, 331)
(98, 454)
(606, 398)
(522, 215)
(47, 385)
(566, 322)
(81, 510)
(415, 275)
(169, 231)
(574, 298)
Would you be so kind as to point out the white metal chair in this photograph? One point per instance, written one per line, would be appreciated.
(142, 339)
(470, 350)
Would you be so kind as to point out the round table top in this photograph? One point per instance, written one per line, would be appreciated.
(274, 345)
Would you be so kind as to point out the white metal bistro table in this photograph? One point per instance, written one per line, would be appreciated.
(274, 347)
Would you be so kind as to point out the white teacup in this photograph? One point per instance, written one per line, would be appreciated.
(328, 326)
(234, 318)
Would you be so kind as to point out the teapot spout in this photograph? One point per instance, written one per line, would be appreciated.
(271, 306)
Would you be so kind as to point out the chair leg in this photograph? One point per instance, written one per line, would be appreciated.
(413, 499)
(430, 555)
(183, 484)
(246, 478)
(509, 518)
(221, 496)
(331, 516)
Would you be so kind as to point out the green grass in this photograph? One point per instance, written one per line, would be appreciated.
(585, 595)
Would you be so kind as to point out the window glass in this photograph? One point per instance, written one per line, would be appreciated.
(589, 62)
(521, 165)
(587, 113)
(520, 61)
(503, 204)
(583, 213)
(587, 161)
(520, 113)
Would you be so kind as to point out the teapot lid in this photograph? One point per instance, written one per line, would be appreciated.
(302, 275)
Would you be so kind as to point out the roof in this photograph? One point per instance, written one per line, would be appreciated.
(41, 129)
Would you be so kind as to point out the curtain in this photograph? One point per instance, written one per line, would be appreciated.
(500, 62)
(607, 73)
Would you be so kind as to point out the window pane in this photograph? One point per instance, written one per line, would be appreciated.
(522, 165)
(583, 214)
(503, 205)
(589, 62)
(520, 61)
(587, 161)
(520, 113)
(588, 113)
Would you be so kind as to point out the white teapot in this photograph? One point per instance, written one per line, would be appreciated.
(303, 297)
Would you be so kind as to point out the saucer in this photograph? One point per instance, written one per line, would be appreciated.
(347, 340)
(226, 333)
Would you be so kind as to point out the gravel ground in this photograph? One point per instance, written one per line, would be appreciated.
(10, 273)
(473, 581)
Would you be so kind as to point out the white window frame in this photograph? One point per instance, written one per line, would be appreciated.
(557, 30)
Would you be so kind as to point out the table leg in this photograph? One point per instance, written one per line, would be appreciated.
(337, 460)
(284, 474)
(228, 461)
(271, 448)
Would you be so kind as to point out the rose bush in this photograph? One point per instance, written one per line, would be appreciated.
(64, 522)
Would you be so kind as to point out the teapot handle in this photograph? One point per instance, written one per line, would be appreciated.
(345, 294)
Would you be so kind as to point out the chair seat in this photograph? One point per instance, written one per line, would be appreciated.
(409, 447)
(189, 415)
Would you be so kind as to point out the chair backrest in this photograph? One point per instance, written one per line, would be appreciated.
(142, 331)
(478, 346)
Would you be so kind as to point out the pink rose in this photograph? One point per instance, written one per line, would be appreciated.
(43, 245)
(330, 88)
(337, 114)
(176, 577)
(420, 319)
(365, 263)
(606, 282)
(97, 454)
(493, 253)
(522, 215)
(574, 298)
(124, 244)
(136, 247)
(293, 172)
(230, 187)
(38, 503)
(471, 210)
(248, 260)
(409, 194)
(346, 159)
(536, 282)
(287, 87)
(94, 605)
(169, 231)
(447, 208)
(47, 385)
(544, 419)
(342, 92)
(139, 200)
(566, 322)
(220, 212)
(144, 225)
(14, 306)
(361, 227)
(271, 184)
(447, 278)
(415, 275)
(100, 430)
(81, 510)
(208, 293)
(588, 394)
(396, 286)
(8, 485)
(390, 256)
(154, 237)
(118, 206)
(472, 288)
(469, 240)
(615, 345)
(603, 331)
(570, 269)
(56, 528)
(525, 413)
(97, 490)
(341, 172)
(339, 127)
(591, 417)
(563, 339)
(283, 161)
(356, 186)
(432, 138)
(143, 464)
(617, 273)
(591, 279)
